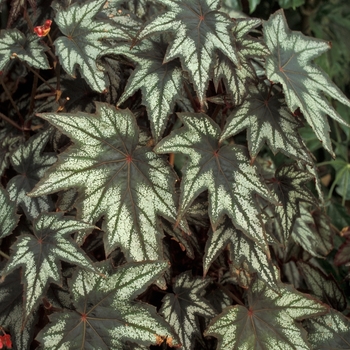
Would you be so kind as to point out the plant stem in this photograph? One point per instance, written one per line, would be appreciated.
(4, 255)
(8, 94)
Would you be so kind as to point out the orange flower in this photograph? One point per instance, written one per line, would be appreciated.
(44, 29)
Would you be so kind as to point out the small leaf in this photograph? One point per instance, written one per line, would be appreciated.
(127, 184)
(331, 331)
(162, 81)
(31, 164)
(39, 255)
(266, 118)
(269, 321)
(180, 309)
(242, 249)
(106, 316)
(8, 215)
(199, 31)
(323, 287)
(83, 42)
(303, 83)
(14, 43)
(222, 170)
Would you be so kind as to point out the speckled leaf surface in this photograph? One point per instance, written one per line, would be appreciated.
(199, 29)
(160, 83)
(106, 316)
(325, 288)
(31, 163)
(224, 171)
(242, 249)
(39, 254)
(82, 41)
(14, 43)
(237, 79)
(8, 215)
(290, 63)
(127, 184)
(267, 120)
(329, 332)
(289, 187)
(180, 309)
(269, 321)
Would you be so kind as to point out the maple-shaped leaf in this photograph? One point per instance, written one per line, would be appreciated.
(8, 216)
(199, 30)
(106, 316)
(312, 233)
(269, 321)
(83, 40)
(289, 187)
(14, 43)
(242, 249)
(329, 332)
(16, 7)
(39, 254)
(31, 163)
(180, 309)
(224, 171)
(290, 63)
(160, 83)
(266, 119)
(127, 184)
(323, 287)
(237, 79)
(11, 311)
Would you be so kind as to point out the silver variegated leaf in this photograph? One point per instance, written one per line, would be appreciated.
(127, 184)
(222, 170)
(331, 331)
(323, 287)
(180, 309)
(8, 215)
(106, 316)
(161, 83)
(290, 63)
(242, 249)
(83, 40)
(14, 43)
(31, 163)
(267, 119)
(237, 80)
(289, 187)
(39, 254)
(199, 30)
(268, 322)
(312, 233)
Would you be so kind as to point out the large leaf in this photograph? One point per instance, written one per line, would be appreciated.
(127, 184)
(160, 83)
(180, 309)
(237, 79)
(304, 84)
(289, 186)
(83, 40)
(329, 332)
(266, 119)
(39, 255)
(222, 170)
(31, 164)
(8, 216)
(14, 43)
(268, 322)
(199, 30)
(106, 316)
(242, 249)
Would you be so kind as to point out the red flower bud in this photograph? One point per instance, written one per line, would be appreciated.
(44, 29)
